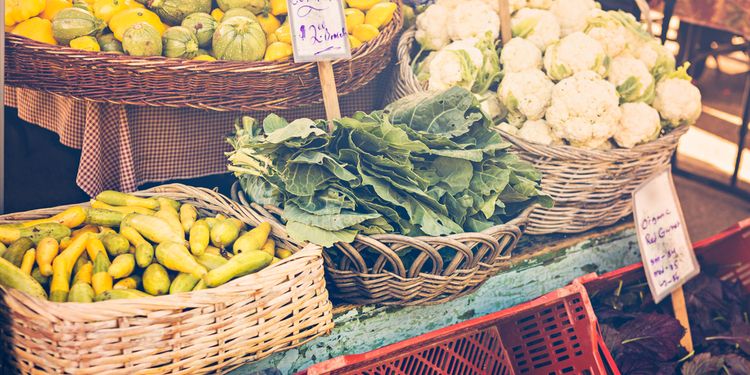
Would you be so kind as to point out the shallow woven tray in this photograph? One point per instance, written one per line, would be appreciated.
(384, 278)
(591, 188)
(215, 85)
(207, 331)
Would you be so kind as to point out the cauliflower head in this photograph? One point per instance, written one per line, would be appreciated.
(658, 58)
(538, 131)
(639, 123)
(526, 94)
(508, 128)
(484, 57)
(609, 32)
(490, 104)
(678, 101)
(575, 53)
(473, 19)
(453, 67)
(584, 110)
(572, 15)
(633, 80)
(537, 26)
(540, 4)
(520, 54)
(431, 33)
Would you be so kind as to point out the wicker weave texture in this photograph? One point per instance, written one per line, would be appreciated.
(373, 269)
(404, 82)
(215, 85)
(207, 331)
(591, 188)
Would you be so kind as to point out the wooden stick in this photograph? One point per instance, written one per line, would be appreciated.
(680, 312)
(330, 96)
(505, 30)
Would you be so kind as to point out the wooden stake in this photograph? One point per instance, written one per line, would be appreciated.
(330, 96)
(680, 312)
(505, 30)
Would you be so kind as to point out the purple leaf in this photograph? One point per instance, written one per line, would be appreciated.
(652, 335)
(703, 364)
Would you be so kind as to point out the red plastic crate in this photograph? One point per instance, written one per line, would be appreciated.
(553, 334)
(727, 252)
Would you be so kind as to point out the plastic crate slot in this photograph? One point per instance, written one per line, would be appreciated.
(578, 353)
(582, 317)
(568, 369)
(517, 348)
(561, 350)
(539, 357)
(550, 319)
(551, 327)
(529, 326)
(526, 319)
(530, 335)
(537, 349)
(571, 330)
(543, 364)
(576, 345)
(557, 342)
(563, 358)
(573, 337)
(555, 335)
(586, 372)
(522, 363)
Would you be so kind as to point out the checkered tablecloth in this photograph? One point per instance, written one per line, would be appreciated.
(124, 146)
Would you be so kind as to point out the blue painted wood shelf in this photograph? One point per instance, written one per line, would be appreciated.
(542, 264)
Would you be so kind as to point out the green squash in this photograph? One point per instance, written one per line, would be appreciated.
(202, 51)
(179, 42)
(108, 43)
(239, 38)
(71, 23)
(174, 11)
(255, 6)
(238, 12)
(82, 4)
(202, 25)
(142, 39)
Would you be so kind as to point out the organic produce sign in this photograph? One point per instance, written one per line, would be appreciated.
(318, 30)
(667, 254)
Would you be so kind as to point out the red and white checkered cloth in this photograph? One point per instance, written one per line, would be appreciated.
(124, 146)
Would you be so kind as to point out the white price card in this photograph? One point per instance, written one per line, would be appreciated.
(318, 30)
(666, 251)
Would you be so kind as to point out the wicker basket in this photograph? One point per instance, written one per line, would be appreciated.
(404, 82)
(591, 188)
(215, 85)
(212, 330)
(371, 270)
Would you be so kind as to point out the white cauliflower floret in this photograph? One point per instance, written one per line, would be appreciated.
(538, 131)
(633, 80)
(452, 68)
(639, 123)
(584, 110)
(431, 33)
(490, 104)
(540, 4)
(526, 95)
(609, 32)
(575, 53)
(473, 19)
(508, 128)
(572, 15)
(520, 54)
(536, 25)
(470, 46)
(658, 59)
(678, 101)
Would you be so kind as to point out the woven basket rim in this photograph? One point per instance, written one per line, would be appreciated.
(575, 153)
(180, 298)
(225, 66)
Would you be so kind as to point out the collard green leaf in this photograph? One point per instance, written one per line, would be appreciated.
(308, 233)
(333, 222)
(442, 113)
(273, 122)
(260, 191)
(301, 128)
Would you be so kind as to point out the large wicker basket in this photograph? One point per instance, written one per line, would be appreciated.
(207, 331)
(214, 85)
(591, 188)
(404, 82)
(373, 269)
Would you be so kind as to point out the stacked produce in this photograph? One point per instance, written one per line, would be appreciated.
(245, 30)
(572, 74)
(426, 165)
(130, 247)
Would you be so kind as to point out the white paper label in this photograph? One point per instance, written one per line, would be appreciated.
(666, 251)
(318, 30)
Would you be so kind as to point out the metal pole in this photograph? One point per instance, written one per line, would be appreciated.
(743, 130)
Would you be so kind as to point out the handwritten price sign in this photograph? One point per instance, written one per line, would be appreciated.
(318, 30)
(668, 257)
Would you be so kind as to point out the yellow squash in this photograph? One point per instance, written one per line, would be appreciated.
(12, 277)
(123, 20)
(46, 251)
(105, 9)
(218, 14)
(20, 10)
(37, 29)
(200, 235)
(84, 274)
(101, 280)
(268, 23)
(204, 58)
(362, 4)
(94, 246)
(85, 43)
(354, 17)
(131, 282)
(284, 33)
(71, 217)
(122, 266)
(380, 14)
(365, 32)
(54, 6)
(123, 209)
(278, 51)
(188, 215)
(28, 261)
(254, 239)
(354, 42)
(278, 7)
(176, 257)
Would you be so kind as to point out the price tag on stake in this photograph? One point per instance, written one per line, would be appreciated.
(318, 30)
(667, 254)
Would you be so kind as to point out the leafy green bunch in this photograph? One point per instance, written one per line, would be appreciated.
(427, 165)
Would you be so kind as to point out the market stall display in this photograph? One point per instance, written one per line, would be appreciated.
(286, 302)
(140, 77)
(386, 189)
(588, 96)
